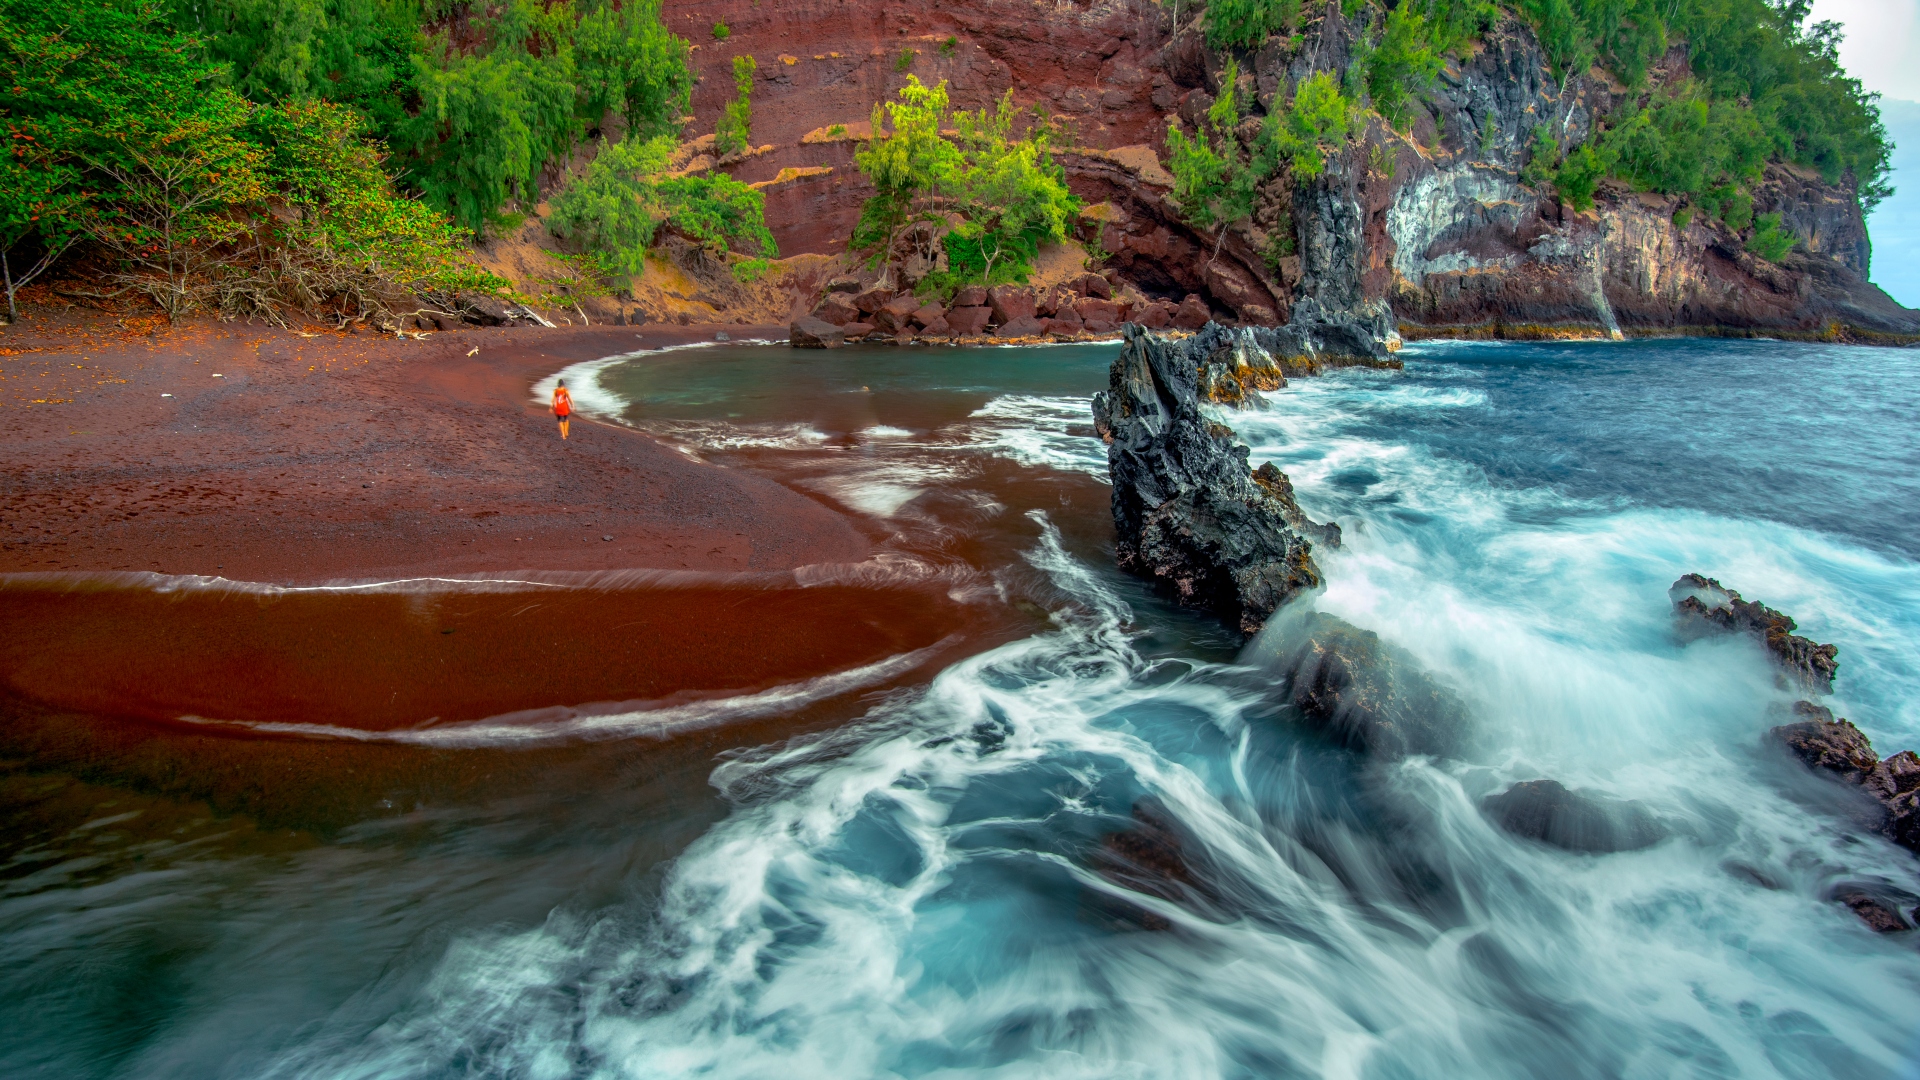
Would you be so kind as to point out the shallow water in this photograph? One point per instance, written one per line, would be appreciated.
(940, 872)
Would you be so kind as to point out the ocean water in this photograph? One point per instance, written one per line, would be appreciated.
(1092, 844)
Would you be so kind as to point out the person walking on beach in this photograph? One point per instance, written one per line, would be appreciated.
(562, 406)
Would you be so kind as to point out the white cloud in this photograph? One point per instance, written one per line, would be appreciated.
(1882, 46)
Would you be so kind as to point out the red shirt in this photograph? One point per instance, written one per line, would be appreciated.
(562, 401)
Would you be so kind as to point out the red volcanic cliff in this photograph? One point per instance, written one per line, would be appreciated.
(1431, 229)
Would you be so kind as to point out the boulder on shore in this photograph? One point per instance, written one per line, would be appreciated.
(1187, 511)
(808, 332)
(837, 309)
(969, 321)
(1192, 313)
(1010, 302)
(1704, 606)
(1021, 327)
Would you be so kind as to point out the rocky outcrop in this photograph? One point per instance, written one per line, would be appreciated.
(1838, 749)
(1188, 511)
(1704, 606)
(1544, 810)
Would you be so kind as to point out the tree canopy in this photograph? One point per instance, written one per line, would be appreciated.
(987, 180)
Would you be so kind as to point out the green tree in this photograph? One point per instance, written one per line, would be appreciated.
(1010, 193)
(132, 139)
(1402, 64)
(1317, 122)
(995, 193)
(627, 59)
(907, 161)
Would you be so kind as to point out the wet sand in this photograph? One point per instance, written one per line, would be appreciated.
(291, 458)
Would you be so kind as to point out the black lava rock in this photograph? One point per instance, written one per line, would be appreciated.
(1187, 510)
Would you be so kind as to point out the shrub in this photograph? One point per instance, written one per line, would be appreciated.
(721, 31)
(1247, 23)
(1213, 181)
(1770, 241)
(904, 60)
(619, 205)
(733, 132)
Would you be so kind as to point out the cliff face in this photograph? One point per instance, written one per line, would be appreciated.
(1429, 230)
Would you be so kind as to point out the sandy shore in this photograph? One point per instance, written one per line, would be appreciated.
(293, 457)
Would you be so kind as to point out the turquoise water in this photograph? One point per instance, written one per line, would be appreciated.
(929, 886)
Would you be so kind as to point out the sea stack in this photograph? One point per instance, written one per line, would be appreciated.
(1188, 511)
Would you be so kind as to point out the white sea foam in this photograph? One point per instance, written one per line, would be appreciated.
(911, 896)
(583, 386)
(617, 720)
(1039, 432)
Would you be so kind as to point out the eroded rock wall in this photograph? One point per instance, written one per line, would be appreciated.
(1429, 229)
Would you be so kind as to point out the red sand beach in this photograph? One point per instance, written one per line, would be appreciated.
(287, 458)
(291, 458)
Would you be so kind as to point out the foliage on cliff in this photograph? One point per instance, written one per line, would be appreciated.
(1760, 85)
(1216, 178)
(123, 133)
(1764, 86)
(732, 134)
(472, 118)
(626, 196)
(988, 183)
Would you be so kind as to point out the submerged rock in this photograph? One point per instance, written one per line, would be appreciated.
(1884, 910)
(1705, 606)
(1841, 751)
(1357, 689)
(1546, 811)
(1187, 510)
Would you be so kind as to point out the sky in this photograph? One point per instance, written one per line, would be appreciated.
(1882, 50)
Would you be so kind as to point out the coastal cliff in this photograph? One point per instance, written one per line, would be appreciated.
(1427, 230)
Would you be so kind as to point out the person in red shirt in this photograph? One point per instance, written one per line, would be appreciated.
(562, 406)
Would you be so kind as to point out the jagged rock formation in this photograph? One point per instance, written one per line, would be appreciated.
(1704, 606)
(1546, 811)
(1837, 748)
(1187, 510)
(1429, 231)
